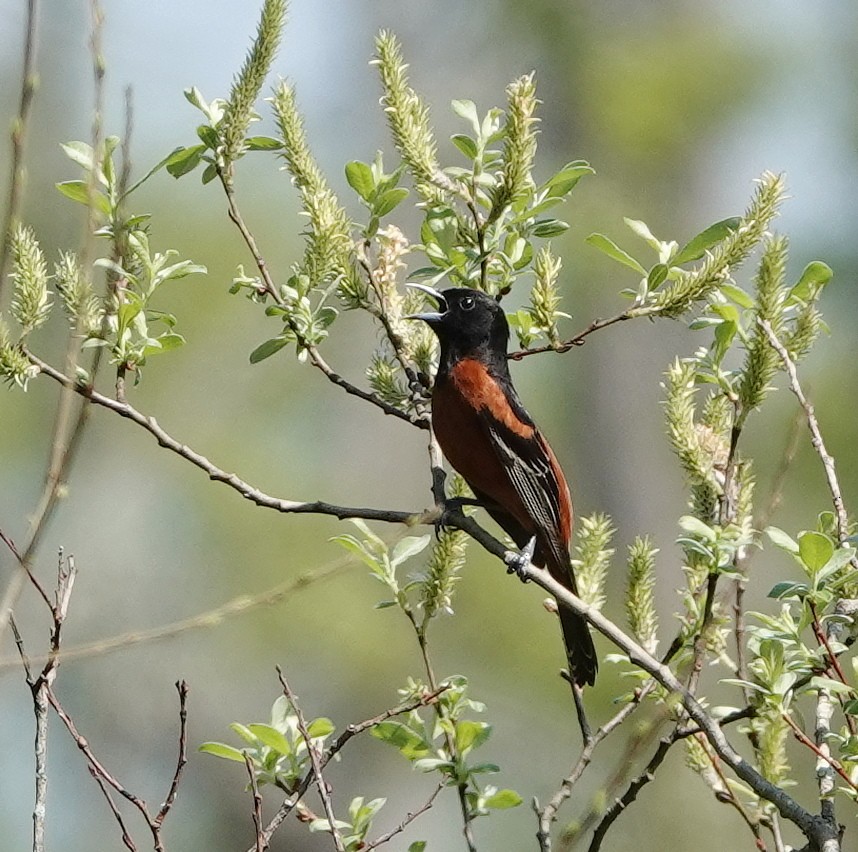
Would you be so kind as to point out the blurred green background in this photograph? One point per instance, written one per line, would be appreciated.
(678, 106)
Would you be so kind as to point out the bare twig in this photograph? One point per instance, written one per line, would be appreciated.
(315, 760)
(210, 618)
(261, 845)
(29, 81)
(126, 410)
(351, 731)
(815, 433)
(117, 814)
(548, 814)
(820, 749)
(409, 818)
(580, 338)
(634, 788)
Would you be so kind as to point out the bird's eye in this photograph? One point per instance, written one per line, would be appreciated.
(468, 303)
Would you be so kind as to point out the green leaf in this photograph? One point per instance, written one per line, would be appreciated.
(787, 589)
(184, 160)
(471, 734)
(417, 846)
(321, 727)
(694, 526)
(815, 549)
(81, 153)
(696, 247)
(407, 547)
(360, 178)
(271, 737)
(465, 144)
(657, 276)
(782, 540)
(263, 143)
(269, 348)
(503, 799)
(607, 246)
(210, 173)
(550, 228)
(831, 685)
(77, 190)
(388, 200)
(209, 136)
(467, 110)
(814, 276)
(724, 334)
(409, 743)
(563, 182)
(738, 295)
(222, 750)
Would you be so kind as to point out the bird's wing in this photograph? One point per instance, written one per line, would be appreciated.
(534, 475)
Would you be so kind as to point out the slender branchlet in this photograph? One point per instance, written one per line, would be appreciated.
(640, 603)
(408, 119)
(715, 269)
(248, 83)
(31, 305)
(761, 361)
(544, 297)
(80, 301)
(329, 249)
(519, 149)
(698, 447)
(593, 558)
(445, 563)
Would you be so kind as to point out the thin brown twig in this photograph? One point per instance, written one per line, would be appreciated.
(182, 759)
(580, 338)
(316, 358)
(637, 784)
(210, 618)
(29, 81)
(217, 474)
(315, 761)
(409, 818)
(338, 744)
(66, 435)
(261, 845)
(117, 814)
(815, 434)
(805, 740)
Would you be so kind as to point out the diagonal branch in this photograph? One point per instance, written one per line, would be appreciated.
(315, 760)
(164, 439)
(818, 829)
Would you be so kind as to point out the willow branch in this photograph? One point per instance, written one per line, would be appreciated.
(816, 828)
(217, 474)
(316, 358)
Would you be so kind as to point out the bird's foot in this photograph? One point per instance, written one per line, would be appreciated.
(517, 563)
(451, 509)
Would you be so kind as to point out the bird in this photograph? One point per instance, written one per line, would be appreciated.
(486, 435)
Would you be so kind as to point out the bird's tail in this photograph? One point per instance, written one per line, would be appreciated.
(580, 650)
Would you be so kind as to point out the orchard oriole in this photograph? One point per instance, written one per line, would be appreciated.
(490, 439)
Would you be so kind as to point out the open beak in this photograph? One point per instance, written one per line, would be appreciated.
(429, 316)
